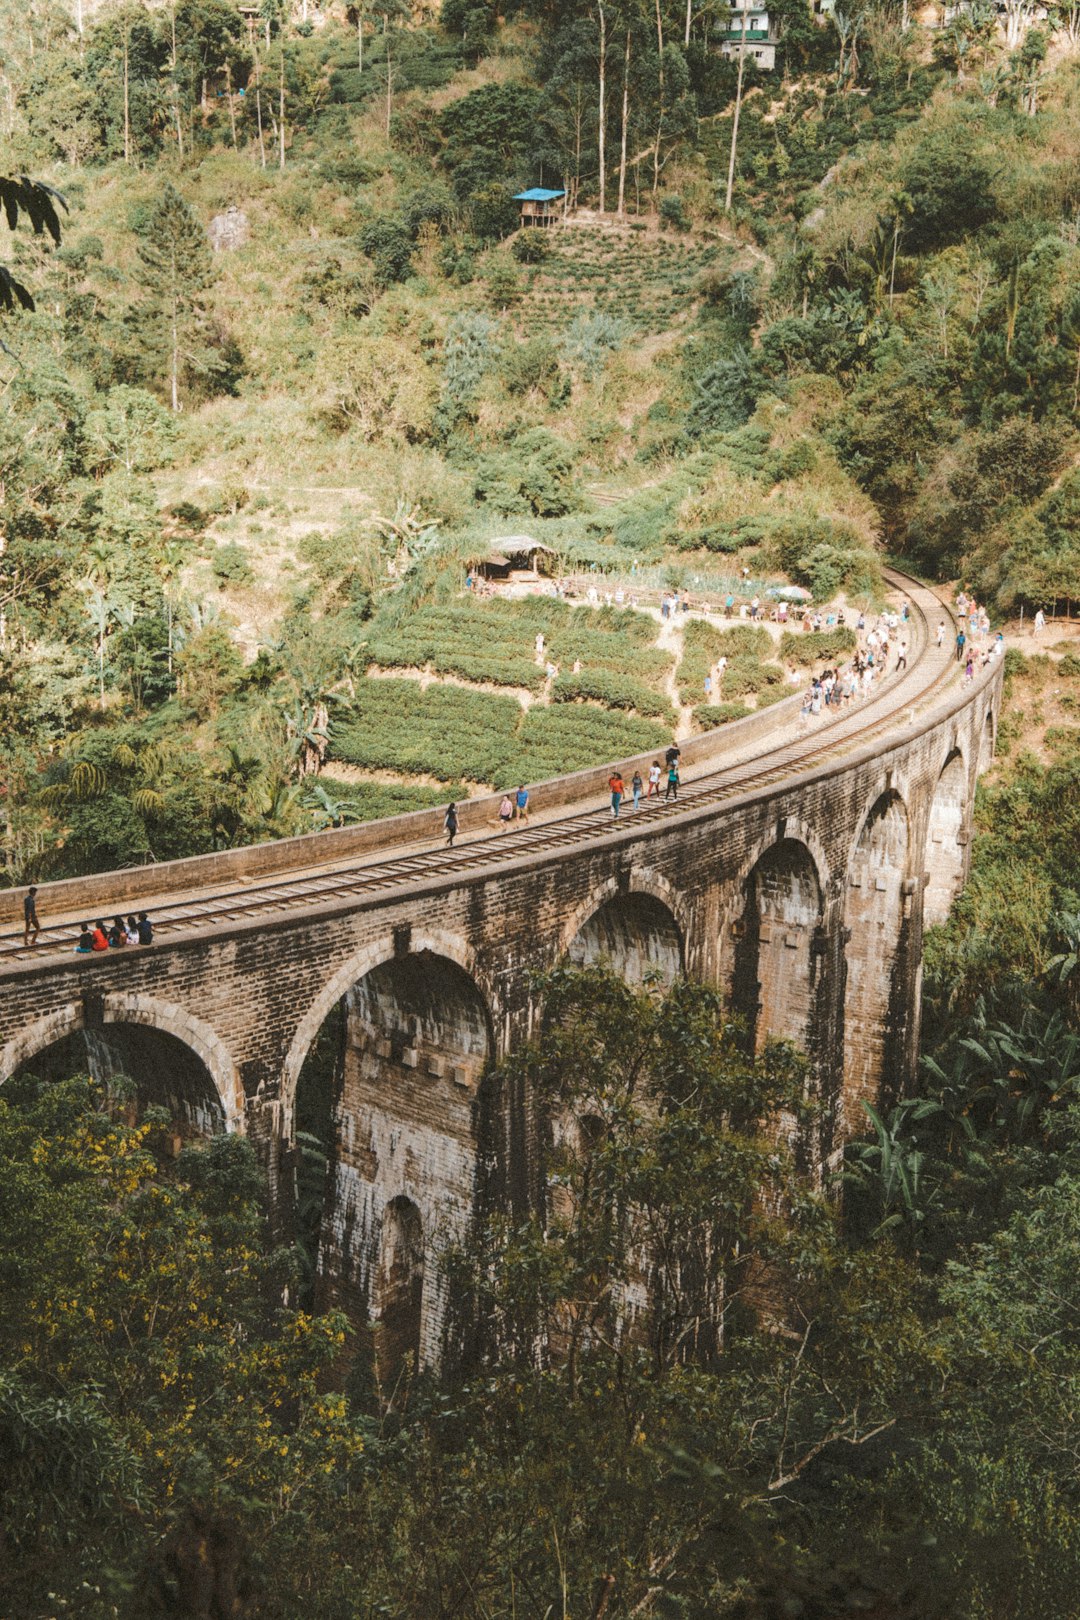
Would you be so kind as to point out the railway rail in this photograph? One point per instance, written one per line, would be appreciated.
(930, 671)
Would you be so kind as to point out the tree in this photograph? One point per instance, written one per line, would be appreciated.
(177, 272)
(143, 1362)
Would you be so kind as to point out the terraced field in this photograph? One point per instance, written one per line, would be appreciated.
(646, 282)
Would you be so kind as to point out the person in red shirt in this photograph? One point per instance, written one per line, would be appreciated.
(99, 939)
(615, 783)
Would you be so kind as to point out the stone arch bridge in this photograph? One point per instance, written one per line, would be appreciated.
(798, 875)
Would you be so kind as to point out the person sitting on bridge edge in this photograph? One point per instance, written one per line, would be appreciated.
(86, 940)
(117, 934)
(100, 937)
(31, 926)
(506, 811)
(146, 929)
(450, 823)
(618, 788)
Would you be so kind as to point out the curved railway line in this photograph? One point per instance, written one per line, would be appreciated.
(930, 671)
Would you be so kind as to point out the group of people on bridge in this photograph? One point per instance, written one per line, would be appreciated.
(93, 937)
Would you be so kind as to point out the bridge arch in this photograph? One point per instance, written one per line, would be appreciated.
(986, 744)
(944, 851)
(774, 956)
(355, 968)
(877, 925)
(224, 1110)
(396, 1099)
(637, 926)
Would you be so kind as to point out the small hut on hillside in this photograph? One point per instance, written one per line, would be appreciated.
(539, 206)
(514, 559)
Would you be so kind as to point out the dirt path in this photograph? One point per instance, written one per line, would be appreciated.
(671, 640)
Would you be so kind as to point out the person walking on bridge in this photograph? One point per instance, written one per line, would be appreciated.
(450, 822)
(31, 926)
(521, 802)
(961, 643)
(672, 780)
(618, 788)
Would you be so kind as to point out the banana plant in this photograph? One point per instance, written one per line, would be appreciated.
(329, 811)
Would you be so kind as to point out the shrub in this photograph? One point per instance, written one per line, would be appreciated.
(615, 691)
(817, 646)
(672, 212)
(531, 246)
(707, 716)
(389, 246)
(745, 675)
(231, 566)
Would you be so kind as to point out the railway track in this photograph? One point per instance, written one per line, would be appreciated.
(929, 672)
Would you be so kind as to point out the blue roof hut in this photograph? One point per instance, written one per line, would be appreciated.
(539, 206)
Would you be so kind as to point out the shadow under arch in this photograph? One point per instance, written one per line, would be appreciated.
(878, 924)
(775, 959)
(944, 852)
(634, 930)
(175, 1060)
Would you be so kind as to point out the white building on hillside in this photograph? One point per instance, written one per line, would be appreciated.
(760, 43)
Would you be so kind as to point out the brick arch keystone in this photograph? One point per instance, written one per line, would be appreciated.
(351, 972)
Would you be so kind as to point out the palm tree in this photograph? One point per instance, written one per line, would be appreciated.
(101, 613)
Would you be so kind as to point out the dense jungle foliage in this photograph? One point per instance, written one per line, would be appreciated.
(240, 485)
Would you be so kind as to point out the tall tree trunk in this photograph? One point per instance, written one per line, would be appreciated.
(660, 119)
(175, 367)
(232, 104)
(735, 118)
(686, 35)
(625, 120)
(175, 86)
(281, 110)
(258, 110)
(602, 112)
(127, 101)
(360, 40)
(389, 76)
